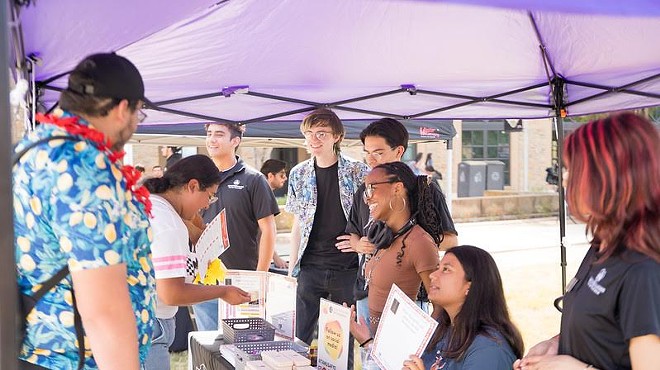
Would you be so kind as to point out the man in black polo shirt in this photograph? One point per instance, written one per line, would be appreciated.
(251, 208)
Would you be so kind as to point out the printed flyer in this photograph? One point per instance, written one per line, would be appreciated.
(334, 336)
(404, 329)
(212, 243)
(253, 282)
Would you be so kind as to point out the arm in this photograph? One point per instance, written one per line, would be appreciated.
(175, 292)
(295, 243)
(267, 242)
(195, 228)
(279, 262)
(107, 314)
(644, 352)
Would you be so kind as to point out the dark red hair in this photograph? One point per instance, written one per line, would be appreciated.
(614, 183)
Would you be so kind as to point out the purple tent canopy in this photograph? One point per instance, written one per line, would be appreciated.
(254, 60)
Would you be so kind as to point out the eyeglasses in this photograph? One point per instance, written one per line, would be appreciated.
(376, 154)
(141, 116)
(319, 135)
(212, 198)
(369, 188)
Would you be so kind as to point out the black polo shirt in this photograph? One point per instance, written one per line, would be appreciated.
(610, 303)
(247, 198)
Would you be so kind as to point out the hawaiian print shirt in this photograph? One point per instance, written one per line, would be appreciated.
(71, 207)
(301, 199)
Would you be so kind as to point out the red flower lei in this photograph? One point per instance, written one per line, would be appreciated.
(71, 125)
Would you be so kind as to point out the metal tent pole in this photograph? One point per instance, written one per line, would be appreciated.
(558, 97)
(8, 345)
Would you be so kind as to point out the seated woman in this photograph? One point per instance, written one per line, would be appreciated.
(611, 310)
(474, 330)
(405, 230)
(188, 186)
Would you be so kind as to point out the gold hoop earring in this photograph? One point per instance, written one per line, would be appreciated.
(403, 207)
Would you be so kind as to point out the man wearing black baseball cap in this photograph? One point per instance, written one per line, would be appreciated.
(82, 229)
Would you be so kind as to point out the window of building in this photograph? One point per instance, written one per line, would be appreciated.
(487, 141)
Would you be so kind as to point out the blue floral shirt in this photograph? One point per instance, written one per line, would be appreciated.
(302, 197)
(71, 207)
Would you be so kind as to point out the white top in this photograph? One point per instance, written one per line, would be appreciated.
(169, 249)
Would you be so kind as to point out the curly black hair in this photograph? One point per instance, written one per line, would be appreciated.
(420, 197)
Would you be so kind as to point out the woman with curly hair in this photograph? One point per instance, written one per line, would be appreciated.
(405, 231)
(611, 310)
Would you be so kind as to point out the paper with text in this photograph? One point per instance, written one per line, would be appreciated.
(212, 243)
(404, 329)
(334, 334)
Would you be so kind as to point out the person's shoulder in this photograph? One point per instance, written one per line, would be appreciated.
(638, 265)
(163, 214)
(300, 167)
(493, 343)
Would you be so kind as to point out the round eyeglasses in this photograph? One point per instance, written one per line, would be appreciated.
(369, 188)
(319, 135)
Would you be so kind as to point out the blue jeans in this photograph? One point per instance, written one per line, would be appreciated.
(362, 308)
(206, 315)
(158, 357)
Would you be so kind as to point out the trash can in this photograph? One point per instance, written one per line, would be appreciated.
(494, 175)
(471, 178)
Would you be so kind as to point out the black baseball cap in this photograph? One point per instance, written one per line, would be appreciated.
(107, 75)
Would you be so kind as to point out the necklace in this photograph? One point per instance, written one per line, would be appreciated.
(376, 259)
(71, 125)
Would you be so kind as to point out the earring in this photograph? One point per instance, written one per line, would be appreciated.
(402, 207)
(467, 291)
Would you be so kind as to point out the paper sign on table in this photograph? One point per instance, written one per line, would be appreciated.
(334, 334)
(253, 282)
(404, 329)
(281, 304)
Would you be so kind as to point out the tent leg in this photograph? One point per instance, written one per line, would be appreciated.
(450, 175)
(559, 127)
(8, 345)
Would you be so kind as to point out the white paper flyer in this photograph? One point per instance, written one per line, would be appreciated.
(404, 329)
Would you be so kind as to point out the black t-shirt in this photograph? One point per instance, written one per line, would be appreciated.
(610, 303)
(329, 223)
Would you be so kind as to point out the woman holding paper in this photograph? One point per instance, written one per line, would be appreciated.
(188, 186)
(405, 231)
(474, 330)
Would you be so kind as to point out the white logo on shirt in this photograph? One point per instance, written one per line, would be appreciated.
(594, 283)
(236, 185)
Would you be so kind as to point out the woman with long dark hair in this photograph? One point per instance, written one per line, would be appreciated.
(474, 329)
(405, 232)
(186, 188)
(611, 310)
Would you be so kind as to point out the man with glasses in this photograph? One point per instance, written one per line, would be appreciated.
(81, 227)
(320, 197)
(384, 141)
(250, 208)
